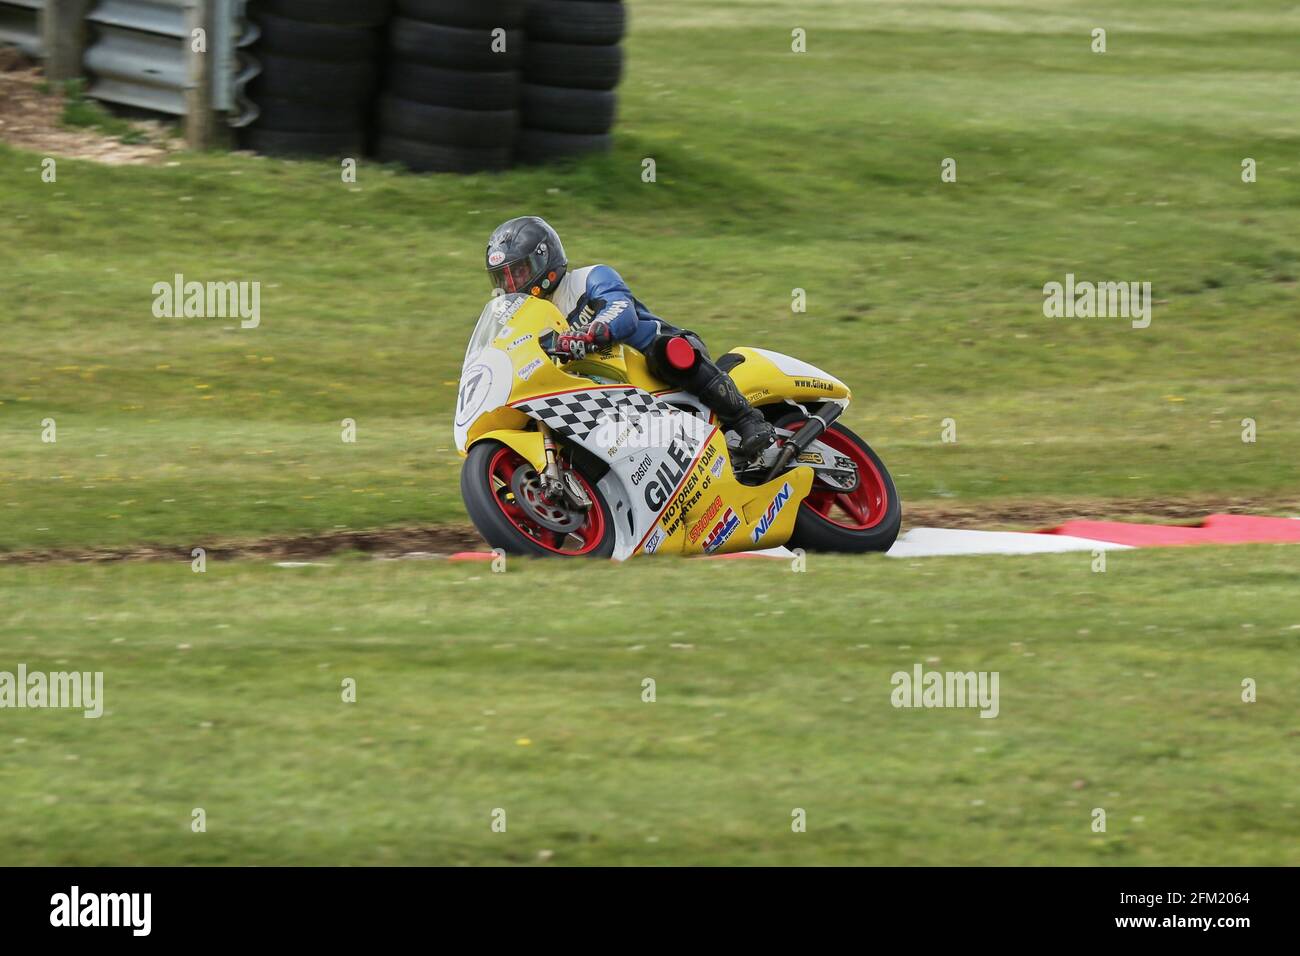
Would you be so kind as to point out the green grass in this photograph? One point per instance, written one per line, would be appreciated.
(1119, 690)
(78, 111)
(776, 170)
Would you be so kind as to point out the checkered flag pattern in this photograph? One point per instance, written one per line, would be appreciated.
(576, 414)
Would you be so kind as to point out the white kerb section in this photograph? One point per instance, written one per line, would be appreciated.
(940, 542)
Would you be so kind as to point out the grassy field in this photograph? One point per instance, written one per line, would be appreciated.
(1119, 690)
(776, 171)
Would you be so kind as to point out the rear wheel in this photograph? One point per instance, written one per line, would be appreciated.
(865, 519)
(503, 496)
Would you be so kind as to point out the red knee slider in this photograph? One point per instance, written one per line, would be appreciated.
(679, 352)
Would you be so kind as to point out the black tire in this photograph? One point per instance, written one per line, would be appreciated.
(466, 13)
(814, 533)
(307, 117)
(576, 21)
(295, 78)
(573, 65)
(361, 13)
(461, 89)
(565, 110)
(456, 48)
(496, 528)
(438, 158)
(442, 124)
(274, 142)
(533, 146)
(323, 41)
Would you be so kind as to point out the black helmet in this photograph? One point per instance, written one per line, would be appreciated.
(525, 255)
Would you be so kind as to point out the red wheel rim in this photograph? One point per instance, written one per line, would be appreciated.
(857, 510)
(582, 540)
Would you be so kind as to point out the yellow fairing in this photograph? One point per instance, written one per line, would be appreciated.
(620, 363)
(528, 444)
(532, 373)
(761, 381)
(535, 372)
(710, 507)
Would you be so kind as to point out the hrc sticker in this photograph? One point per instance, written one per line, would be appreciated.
(723, 530)
(496, 258)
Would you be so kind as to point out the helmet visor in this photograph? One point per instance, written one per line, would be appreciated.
(515, 276)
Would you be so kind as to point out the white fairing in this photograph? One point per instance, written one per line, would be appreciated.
(642, 477)
(652, 449)
(794, 366)
(485, 373)
(484, 386)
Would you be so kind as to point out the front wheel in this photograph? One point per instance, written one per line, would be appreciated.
(502, 493)
(865, 519)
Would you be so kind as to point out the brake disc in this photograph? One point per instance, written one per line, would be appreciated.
(527, 489)
(839, 480)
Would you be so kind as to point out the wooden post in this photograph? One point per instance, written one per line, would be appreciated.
(63, 33)
(205, 128)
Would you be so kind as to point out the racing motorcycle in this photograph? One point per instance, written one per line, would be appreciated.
(596, 457)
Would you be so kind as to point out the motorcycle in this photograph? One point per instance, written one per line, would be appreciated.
(595, 457)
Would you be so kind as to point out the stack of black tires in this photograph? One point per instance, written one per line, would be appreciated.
(572, 64)
(467, 85)
(319, 73)
(452, 85)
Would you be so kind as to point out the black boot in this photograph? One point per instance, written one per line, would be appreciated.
(721, 395)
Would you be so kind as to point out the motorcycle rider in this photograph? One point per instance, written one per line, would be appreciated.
(525, 255)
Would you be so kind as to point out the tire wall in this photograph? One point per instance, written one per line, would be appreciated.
(436, 85)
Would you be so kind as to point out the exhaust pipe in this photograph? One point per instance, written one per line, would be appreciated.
(813, 429)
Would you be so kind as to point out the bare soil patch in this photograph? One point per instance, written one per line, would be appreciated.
(31, 119)
(441, 540)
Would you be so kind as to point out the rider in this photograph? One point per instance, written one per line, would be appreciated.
(525, 255)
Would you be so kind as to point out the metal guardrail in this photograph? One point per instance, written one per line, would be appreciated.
(20, 25)
(241, 67)
(139, 55)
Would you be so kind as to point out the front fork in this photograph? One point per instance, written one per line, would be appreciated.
(558, 483)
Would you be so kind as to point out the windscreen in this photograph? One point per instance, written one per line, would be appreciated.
(490, 322)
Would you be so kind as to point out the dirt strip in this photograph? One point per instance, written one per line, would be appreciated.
(1038, 514)
(31, 118)
(441, 540)
(381, 542)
